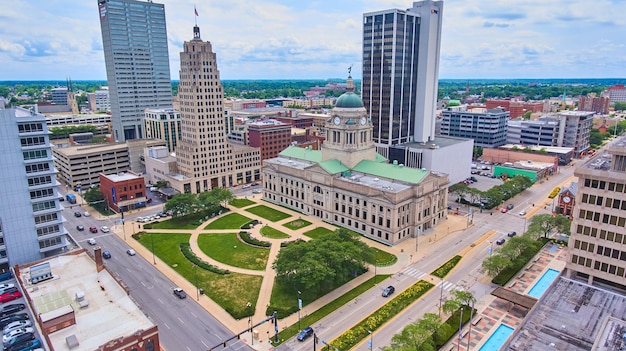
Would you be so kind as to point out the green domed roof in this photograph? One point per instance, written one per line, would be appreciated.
(349, 100)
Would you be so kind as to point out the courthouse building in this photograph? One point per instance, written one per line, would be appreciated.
(347, 183)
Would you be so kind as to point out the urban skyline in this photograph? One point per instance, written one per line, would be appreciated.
(279, 40)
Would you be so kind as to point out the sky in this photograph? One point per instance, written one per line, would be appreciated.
(319, 39)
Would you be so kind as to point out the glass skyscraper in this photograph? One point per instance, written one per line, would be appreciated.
(401, 71)
(134, 39)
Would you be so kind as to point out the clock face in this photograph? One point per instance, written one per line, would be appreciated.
(363, 120)
(337, 120)
(566, 199)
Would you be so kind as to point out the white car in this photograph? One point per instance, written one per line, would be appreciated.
(87, 214)
(16, 325)
(130, 252)
(91, 241)
(6, 286)
(105, 229)
(522, 213)
(16, 332)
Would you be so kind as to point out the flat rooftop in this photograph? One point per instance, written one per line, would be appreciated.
(573, 316)
(110, 314)
(439, 141)
(122, 176)
(602, 160)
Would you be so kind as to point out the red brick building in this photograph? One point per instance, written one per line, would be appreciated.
(516, 108)
(593, 103)
(567, 200)
(271, 136)
(123, 191)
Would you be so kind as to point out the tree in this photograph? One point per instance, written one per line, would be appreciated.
(548, 225)
(182, 204)
(495, 264)
(477, 152)
(93, 195)
(162, 184)
(317, 264)
(527, 115)
(430, 322)
(412, 338)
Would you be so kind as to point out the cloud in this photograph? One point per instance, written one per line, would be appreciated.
(499, 25)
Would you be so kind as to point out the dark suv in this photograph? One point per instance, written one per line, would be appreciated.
(305, 333)
(18, 340)
(388, 291)
(512, 234)
(509, 207)
(500, 241)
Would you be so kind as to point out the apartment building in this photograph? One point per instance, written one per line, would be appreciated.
(31, 221)
(270, 136)
(597, 244)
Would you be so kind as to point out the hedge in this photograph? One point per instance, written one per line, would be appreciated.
(445, 268)
(354, 335)
(452, 328)
(250, 224)
(503, 277)
(185, 248)
(245, 236)
(287, 243)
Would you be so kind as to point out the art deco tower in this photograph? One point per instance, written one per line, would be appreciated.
(203, 155)
(401, 71)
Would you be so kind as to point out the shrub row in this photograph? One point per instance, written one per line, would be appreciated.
(250, 224)
(185, 248)
(445, 268)
(245, 236)
(554, 192)
(452, 328)
(372, 322)
(287, 243)
(519, 262)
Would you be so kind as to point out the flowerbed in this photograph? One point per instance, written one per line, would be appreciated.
(445, 268)
(372, 322)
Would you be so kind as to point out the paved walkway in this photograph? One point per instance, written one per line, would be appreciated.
(404, 252)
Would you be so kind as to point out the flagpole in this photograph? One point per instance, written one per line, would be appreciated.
(195, 18)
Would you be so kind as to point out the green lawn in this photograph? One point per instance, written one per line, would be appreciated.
(239, 203)
(297, 224)
(272, 233)
(228, 249)
(268, 213)
(317, 232)
(230, 221)
(384, 258)
(191, 221)
(232, 291)
(329, 308)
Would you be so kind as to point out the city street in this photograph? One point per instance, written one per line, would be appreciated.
(183, 324)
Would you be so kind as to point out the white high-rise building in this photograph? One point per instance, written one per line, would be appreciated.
(401, 50)
(31, 224)
(134, 39)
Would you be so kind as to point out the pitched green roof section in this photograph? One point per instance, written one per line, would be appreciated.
(333, 166)
(396, 172)
(304, 154)
(380, 158)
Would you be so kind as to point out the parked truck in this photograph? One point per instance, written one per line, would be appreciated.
(71, 198)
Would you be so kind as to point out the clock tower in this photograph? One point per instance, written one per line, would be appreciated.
(349, 131)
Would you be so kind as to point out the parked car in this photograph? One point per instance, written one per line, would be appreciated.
(28, 345)
(77, 214)
(388, 291)
(17, 324)
(256, 191)
(509, 207)
(87, 214)
(180, 293)
(6, 320)
(305, 333)
(130, 252)
(10, 296)
(91, 241)
(522, 213)
(80, 228)
(105, 229)
(9, 289)
(6, 286)
(11, 344)
(10, 309)
(500, 241)
(16, 332)
(106, 254)
(504, 210)
(93, 229)
(511, 234)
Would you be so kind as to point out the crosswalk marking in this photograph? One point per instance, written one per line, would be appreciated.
(414, 273)
(447, 286)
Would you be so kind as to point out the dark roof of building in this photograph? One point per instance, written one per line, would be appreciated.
(521, 300)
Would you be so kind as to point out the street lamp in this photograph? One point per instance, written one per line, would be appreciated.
(491, 248)
(370, 345)
(469, 333)
(441, 298)
(458, 345)
(152, 240)
(299, 308)
(195, 272)
(249, 305)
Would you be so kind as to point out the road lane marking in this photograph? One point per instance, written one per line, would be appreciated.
(167, 326)
(180, 320)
